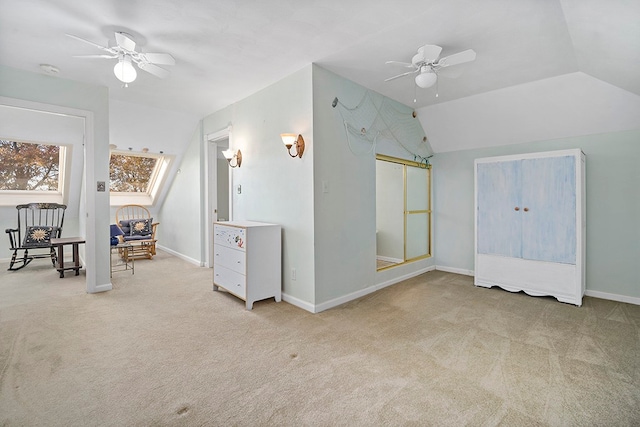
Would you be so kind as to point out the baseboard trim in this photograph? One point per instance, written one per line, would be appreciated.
(102, 288)
(403, 277)
(181, 256)
(613, 297)
(298, 303)
(366, 291)
(455, 270)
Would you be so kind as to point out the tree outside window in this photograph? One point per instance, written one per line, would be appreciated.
(27, 166)
(131, 173)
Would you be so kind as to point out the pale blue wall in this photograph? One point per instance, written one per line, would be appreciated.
(613, 203)
(345, 220)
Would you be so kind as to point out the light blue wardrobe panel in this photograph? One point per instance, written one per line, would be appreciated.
(499, 224)
(549, 222)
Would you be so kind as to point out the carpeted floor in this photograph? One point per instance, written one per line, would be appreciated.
(163, 349)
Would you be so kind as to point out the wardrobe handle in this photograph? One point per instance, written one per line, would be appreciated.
(526, 209)
(516, 208)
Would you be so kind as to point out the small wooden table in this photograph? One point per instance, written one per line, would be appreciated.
(60, 243)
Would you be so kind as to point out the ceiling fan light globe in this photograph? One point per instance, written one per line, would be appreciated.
(124, 70)
(425, 80)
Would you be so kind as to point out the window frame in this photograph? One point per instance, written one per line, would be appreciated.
(61, 195)
(156, 180)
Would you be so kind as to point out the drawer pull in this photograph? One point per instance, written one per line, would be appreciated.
(516, 208)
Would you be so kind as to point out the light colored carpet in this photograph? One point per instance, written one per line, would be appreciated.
(163, 349)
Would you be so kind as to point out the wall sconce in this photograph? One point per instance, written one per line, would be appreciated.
(289, 139)
(230, 155)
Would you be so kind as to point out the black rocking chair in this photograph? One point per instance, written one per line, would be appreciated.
(38, 223)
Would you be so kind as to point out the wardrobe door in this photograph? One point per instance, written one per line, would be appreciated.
(549, 209)
(499, 219)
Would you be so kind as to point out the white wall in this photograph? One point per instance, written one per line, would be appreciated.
(92, 103)
(138, 126)
(569, 105)
(275, 187)
(25, 124)
(181, 228)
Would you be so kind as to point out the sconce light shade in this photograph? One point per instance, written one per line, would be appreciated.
(229, 154)
(124, 70)
(426, 79)
(289, 139)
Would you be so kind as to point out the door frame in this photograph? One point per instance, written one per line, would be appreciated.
(211, 143)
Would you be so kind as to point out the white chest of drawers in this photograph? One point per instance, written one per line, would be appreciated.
(247, 260)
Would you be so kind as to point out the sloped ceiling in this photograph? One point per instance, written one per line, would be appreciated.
(226, 50)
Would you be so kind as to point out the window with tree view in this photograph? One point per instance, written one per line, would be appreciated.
(26, 166)
(131, 173)
(136, 177)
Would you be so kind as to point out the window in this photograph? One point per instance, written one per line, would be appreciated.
(130, 174)
(136, 177)
(30, 171)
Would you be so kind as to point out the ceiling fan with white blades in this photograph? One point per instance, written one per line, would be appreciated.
(427, 63)
(126, 54)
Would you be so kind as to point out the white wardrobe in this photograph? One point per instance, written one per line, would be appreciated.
(530, 224)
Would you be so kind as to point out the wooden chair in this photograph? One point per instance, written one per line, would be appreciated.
(38, 223)
(139, 230)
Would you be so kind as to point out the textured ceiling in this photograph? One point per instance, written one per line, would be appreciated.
(226, 50)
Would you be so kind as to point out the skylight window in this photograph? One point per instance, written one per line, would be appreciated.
(136, 177)
(31, 172)
(131, 174)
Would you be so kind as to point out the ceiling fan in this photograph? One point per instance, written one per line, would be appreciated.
(125, 52)
(427, 62)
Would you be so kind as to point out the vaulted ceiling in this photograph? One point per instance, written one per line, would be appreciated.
(226, 50)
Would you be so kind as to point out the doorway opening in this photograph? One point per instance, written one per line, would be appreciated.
(218, 184)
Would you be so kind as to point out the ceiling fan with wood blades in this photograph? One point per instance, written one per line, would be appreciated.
(427, 62)
(126, 54)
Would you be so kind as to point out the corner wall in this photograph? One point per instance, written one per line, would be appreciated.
(345, 203)
(276, 188)
(613, 203)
